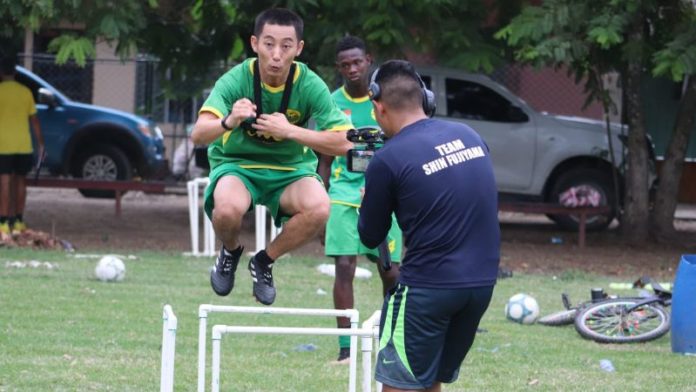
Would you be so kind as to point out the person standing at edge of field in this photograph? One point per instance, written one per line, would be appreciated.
(342, 242)
(17, 110)
(438, 178)
(260, 152)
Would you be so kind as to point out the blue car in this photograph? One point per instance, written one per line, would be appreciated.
(93, 142)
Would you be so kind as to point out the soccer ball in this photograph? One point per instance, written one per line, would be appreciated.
(110, 269)
(522, 308)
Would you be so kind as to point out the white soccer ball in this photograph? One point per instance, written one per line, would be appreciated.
(110, 269)
(522, 308)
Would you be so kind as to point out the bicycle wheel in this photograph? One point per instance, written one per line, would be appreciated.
(562, 317)
(608, 322)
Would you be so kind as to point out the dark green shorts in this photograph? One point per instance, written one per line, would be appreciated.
(426, 333)
(342, 238)
(265, 186)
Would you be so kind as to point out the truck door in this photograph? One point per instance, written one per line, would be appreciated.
(507, 129)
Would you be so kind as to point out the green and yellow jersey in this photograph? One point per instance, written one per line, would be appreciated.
(310, 98)
(345, 185)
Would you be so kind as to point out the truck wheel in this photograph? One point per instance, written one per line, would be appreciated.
(102, 163)
(596, 182)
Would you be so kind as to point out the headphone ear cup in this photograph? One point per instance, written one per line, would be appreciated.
(373, 91)
(429, 104)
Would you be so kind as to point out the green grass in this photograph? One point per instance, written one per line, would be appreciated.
(62, 330)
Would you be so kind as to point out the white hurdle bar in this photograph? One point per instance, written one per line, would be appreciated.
(260, 212)
(193, 188)
(366, 346)
(367, 334)
(204, 309)
(169, 323)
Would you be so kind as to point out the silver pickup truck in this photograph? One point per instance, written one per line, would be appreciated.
(536, 156)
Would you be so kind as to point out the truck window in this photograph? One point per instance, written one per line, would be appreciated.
(474, 101)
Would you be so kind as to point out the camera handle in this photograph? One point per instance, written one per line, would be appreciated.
(384, 255)
(370, 137)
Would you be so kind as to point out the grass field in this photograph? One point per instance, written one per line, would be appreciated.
(62, 330)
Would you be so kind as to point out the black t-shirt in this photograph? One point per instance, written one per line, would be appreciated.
(438, 178)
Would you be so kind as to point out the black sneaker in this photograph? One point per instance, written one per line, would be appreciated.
(343, 356)
(222, 276)
(262, 275)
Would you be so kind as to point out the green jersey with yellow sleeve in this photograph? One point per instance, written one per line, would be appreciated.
(310, 98)
(345, 185)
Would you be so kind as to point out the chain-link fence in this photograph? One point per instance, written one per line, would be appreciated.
(133, 86)
(547, 90)
(137, 86)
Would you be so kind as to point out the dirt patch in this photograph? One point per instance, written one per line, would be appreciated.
(160, 222)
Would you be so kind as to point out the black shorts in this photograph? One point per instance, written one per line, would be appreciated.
(19, 164)
(426, 333)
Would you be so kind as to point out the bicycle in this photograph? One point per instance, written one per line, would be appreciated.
(611, 319)
(562, 317)
(567, 316)
(626, 319)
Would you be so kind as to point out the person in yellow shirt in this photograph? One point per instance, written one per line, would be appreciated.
(17, 110)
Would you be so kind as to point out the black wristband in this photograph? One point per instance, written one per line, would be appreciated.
(223, 122)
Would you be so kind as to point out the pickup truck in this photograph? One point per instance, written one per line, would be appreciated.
(93, 142)
(536, 156)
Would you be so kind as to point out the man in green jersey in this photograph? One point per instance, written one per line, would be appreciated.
(261, 153)
(342, 241)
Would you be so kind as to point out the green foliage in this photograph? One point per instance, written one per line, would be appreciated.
(679, 56)
(191, 37)
(71, 46)
(102, 19)
(576, 33)
(591, 38)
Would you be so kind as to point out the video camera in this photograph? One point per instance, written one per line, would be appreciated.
(369, 140)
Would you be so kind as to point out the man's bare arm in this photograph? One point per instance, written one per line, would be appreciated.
(208, 126)
(36, 127)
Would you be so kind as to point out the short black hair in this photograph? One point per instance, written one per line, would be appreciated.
(400, 86)
(7, 65)
(280, 17)
(350, 42)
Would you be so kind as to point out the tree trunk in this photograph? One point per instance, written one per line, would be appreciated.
(634, 225)
(662, 217)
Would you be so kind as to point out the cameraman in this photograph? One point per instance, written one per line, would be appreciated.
(438, 179)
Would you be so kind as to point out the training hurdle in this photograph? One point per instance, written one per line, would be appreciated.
(205, 309)
(169, 323)
(261, 213)
(194, 189)
(368, 333)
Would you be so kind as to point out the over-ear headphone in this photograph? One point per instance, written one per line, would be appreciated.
(429, 105)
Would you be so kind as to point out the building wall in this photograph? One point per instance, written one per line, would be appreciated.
(114, 80)
(661, 98)
(552, 91)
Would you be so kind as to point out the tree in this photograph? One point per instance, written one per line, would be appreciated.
(99, 19)
(190, 36)
(677, 59)
(591, 38)
(207, 31)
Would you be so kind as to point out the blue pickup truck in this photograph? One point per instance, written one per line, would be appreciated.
(93, 142)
